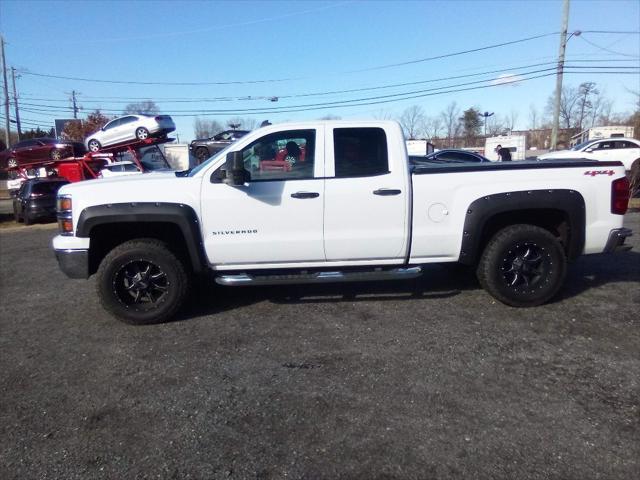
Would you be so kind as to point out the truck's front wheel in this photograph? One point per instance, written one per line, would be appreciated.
(141, 281)
(523, 266)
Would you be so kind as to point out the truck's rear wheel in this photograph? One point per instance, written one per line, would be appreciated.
(141, 281)
(522, 266)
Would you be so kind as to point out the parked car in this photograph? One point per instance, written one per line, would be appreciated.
(118, 169)
(36, 199)
(449, 156)
(39, 149)
(203, 148)
(625, 150)
(128, 128)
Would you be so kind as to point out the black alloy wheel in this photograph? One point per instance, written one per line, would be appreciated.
(523, 265)
(141, 281)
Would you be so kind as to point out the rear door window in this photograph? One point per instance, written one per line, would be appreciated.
(360, 152)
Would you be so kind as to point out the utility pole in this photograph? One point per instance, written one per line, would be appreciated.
(486, 115)
(75, 106)
(563, 45)
(7, 119)
(15, 102)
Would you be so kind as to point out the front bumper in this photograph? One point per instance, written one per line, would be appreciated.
(74, 263)
(616, 240)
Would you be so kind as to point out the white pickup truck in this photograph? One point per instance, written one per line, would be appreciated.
(334, 201)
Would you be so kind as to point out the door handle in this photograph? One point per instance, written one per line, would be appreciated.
(387, 191)
(305, 195)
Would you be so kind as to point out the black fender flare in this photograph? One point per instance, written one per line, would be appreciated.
(140, 212)
(482, 210)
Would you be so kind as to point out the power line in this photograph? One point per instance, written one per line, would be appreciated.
(606, 49)
(368, 101)
(334, 92)
(340, 102)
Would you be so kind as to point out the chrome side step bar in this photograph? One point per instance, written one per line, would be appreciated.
(319, 277)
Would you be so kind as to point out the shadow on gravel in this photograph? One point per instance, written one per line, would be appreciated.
(592, 271)
(438, 281)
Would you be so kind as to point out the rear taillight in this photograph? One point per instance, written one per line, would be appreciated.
(619, 196)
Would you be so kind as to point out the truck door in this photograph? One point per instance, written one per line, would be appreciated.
(276, 218)
(366, 196)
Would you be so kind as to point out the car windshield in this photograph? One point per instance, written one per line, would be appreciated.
(203, 165)
(580, 146)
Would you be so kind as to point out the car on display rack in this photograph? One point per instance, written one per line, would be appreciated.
(119, 169)
(36, 199)
(334, 201)
(203, 148)
(625, 150)
(449, 155)
(128, 128)
(38, 149)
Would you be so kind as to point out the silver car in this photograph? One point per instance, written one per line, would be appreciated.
(128, 128)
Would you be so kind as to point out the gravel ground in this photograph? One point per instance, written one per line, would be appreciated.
(424, 379)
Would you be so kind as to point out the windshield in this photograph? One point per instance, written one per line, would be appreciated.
(580, 146)
(207, 162)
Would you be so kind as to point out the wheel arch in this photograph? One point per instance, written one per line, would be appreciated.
(110, 225)
(561, 212)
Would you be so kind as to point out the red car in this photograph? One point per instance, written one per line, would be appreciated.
(39, 150)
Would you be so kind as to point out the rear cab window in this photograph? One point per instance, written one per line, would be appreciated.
(360, 152)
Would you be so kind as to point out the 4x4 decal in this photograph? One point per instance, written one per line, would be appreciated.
(593, 173)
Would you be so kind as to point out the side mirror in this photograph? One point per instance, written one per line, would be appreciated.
(13, 193)
(236, 173)
(589, 150)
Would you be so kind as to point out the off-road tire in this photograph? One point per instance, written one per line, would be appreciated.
(115, 285)
(510, 271)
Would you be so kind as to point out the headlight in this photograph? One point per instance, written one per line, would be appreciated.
(64, 207)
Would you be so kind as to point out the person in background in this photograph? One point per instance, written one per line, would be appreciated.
(504, 155)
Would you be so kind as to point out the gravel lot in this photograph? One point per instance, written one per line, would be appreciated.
(423, 379)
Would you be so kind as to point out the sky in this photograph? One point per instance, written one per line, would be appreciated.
(351, 59)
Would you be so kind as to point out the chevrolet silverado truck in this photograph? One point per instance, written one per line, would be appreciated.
(334, 201)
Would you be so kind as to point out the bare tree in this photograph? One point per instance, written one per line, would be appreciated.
(249, 123)
(206, 128)
(586, 92)
(450, 119)
(146, 107)
(431, 127)
(411, 120)
(512, 119)
(383, 114)
(533, 117)
(601, 110)
(568, 105)
(495, 125)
